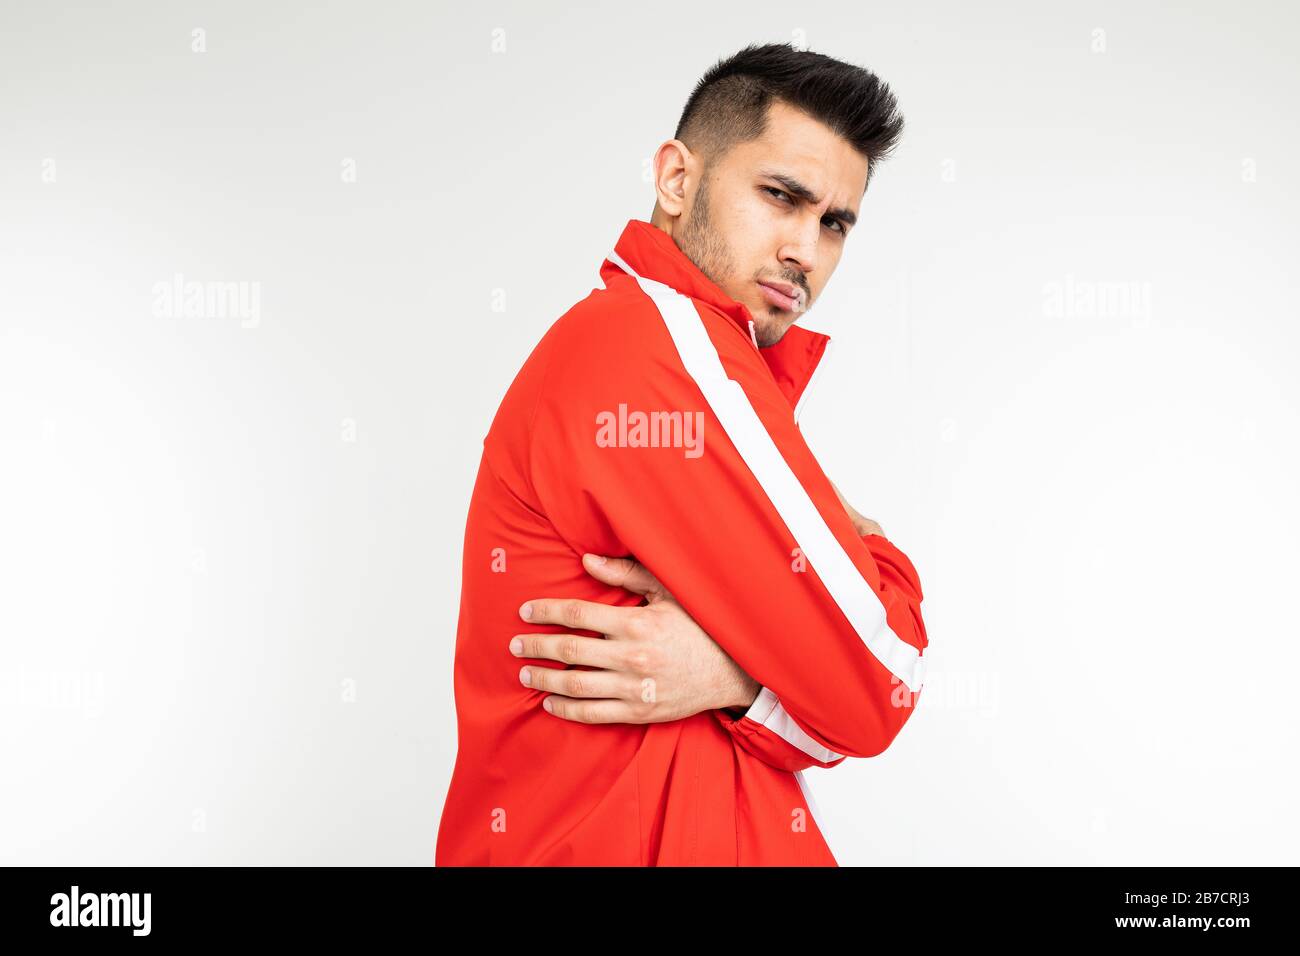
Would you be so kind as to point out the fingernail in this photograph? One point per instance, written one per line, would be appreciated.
(547, 705)
(516, 646)
(526, 612)
(597, 559)
(525, 677)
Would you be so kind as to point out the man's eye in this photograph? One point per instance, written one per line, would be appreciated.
(836, 222)
(780, 194)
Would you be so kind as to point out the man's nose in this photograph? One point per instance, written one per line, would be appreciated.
(800, 252)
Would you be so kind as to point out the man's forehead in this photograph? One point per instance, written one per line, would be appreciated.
(802, 149)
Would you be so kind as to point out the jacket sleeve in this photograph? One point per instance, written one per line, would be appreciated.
(656, 434)
(766, 730)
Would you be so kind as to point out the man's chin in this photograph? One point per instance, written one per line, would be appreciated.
(770, 334)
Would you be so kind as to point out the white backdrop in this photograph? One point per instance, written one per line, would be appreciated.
(1063, 382)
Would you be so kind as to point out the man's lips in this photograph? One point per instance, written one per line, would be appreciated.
(783, 296)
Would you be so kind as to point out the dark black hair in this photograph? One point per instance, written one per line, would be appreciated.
(730, 103)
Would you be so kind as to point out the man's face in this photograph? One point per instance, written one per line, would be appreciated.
(748, 225)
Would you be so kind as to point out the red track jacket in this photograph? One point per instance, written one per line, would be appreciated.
(648, 422)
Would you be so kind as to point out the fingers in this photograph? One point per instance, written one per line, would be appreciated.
(625, 573)
(580, 683)
(569, 649)
(578, 615)
(594, 711)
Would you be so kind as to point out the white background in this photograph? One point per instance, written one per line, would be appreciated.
(229, 549)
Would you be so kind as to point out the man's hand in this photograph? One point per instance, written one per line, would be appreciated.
(655, 663)
(863, 525)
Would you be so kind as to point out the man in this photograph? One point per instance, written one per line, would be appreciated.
(655, 425)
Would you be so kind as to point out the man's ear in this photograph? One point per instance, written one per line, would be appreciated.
(673, 163)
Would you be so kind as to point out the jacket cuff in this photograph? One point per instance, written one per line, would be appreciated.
(768, 720)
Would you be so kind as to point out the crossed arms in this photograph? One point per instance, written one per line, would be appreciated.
(653, 664)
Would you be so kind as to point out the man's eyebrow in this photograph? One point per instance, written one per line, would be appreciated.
(796, 188)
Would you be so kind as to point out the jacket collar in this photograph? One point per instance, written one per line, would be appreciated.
(653, 254)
